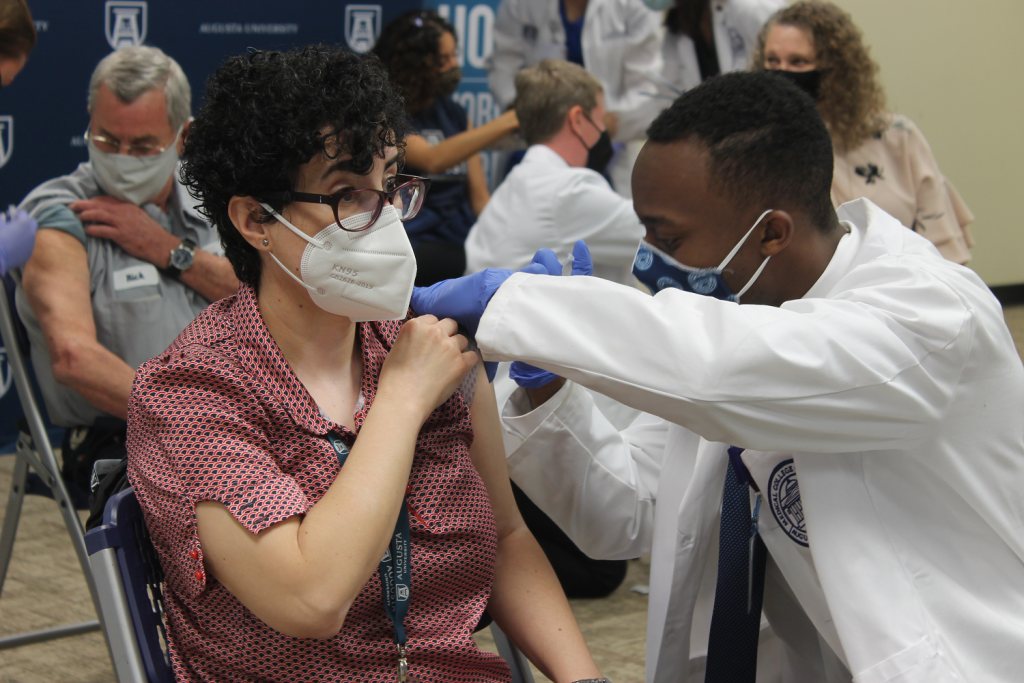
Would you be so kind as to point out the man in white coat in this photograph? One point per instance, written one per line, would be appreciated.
(874, 387)
(552, 199)
(620, 43)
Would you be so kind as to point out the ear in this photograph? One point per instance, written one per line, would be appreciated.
(184, 134)
(778, 232)
(575, 117)
(244, 212)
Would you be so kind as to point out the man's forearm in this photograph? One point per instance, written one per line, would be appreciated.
(103, 379)
(211, 276)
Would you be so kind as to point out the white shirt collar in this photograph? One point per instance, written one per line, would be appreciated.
(543, 154)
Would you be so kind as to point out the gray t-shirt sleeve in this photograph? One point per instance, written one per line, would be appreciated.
(60, 217)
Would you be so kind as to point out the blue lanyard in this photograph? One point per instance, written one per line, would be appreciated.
(394, 568)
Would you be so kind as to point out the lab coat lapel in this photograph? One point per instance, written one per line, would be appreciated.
(694, 522)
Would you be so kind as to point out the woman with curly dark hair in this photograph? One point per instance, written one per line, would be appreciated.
(879, 154)
(418, 48)
(323, 480)
(17, 38)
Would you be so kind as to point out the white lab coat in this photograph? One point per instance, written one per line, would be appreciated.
(895, 386)
(545, 202)
(735, 24)
(621, 47)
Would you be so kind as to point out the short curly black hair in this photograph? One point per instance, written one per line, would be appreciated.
(264, 116)
(767, 145)
(410, 48)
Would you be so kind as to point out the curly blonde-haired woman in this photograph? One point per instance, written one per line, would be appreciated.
(879, 154)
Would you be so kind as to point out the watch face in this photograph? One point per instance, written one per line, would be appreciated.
(181, 258)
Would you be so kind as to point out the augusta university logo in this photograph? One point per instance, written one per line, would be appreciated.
(126, 22)
(6, 139)
(362, 26)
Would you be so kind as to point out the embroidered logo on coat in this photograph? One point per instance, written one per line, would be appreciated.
(784, 500)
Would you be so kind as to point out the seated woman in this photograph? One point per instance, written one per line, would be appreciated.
(297, 433)
(879, 154)
(418, 49)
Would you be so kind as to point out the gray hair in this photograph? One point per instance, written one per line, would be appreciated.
(132, 71)
(546, 92)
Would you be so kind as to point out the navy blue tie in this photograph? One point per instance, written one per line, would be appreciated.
(736, 619)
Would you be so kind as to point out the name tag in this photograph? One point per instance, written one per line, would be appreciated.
(143, 275)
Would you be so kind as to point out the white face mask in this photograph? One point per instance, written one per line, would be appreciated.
(366, 275)
(130, 178)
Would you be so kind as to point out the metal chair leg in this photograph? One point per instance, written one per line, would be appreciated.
(517, 661)
(46, 466)
(12, 516)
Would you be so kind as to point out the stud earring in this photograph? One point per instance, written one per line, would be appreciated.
(266, 243)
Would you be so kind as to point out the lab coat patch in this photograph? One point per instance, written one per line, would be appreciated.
(784, 500)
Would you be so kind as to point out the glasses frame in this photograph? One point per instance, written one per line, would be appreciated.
(160, 149)
(332, 200)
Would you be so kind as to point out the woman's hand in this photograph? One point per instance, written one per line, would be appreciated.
(509, 121)
(426, 364)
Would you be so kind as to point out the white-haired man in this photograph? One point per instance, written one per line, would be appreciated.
(554, 197)
(122, 261)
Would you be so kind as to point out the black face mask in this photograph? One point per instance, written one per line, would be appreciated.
(601, 152)
(808, 81)
(449, 80)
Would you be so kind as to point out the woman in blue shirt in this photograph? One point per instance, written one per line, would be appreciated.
(418, 49)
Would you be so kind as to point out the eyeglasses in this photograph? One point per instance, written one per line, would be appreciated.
(356, 210)
(113, 145)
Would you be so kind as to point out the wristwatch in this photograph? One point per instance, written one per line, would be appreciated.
(182, 258)
(593, 680)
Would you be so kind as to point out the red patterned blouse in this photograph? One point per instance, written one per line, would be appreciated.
(221, 416)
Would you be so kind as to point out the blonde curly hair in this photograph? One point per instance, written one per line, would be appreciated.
(852, 101)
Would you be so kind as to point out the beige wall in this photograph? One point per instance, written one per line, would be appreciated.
(953, 67)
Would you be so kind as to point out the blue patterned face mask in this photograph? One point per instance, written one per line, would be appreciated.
(658, 271)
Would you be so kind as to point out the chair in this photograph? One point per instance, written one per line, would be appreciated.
(34, 450)
(129, 581)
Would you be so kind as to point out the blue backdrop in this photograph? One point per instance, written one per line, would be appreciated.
(43, 114)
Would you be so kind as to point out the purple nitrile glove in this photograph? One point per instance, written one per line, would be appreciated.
(17, 237)
(524, 374)
(582, 264)
(530, 376)
(464, 299)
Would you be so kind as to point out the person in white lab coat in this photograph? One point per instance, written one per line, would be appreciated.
(619, 41)
(552, 199)
(873, 384)
(709, 37)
